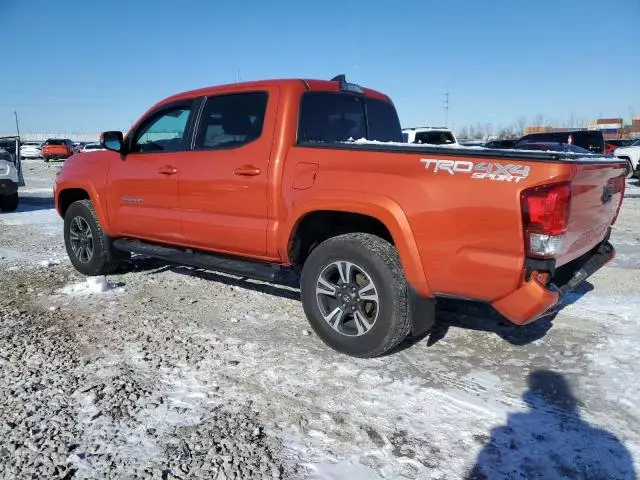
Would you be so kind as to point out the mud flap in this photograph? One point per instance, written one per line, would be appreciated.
(423, 313)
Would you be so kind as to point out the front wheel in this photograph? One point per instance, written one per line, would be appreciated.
(9, 203)
(354, 294)
(88, 247)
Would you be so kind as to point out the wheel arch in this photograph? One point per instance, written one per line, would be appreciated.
(66, 194)
(381, 215)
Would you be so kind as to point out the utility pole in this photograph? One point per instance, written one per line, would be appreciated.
(237, 75)
(446, 109)
(17, 125)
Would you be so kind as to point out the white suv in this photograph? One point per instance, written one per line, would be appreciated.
(429, 135)
(632, 155)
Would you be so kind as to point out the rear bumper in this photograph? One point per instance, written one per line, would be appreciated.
(55, 155)
(534, 299)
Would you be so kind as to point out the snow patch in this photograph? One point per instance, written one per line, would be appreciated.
(626, 307)
(350, 469)
(91, 285)
(52, 262)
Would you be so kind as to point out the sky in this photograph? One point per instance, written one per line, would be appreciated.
(88, 66)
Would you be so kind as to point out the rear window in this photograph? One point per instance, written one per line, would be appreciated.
(54, 142)
(339, 117)
(435, 138)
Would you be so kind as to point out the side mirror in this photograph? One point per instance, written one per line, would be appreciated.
(113, 141)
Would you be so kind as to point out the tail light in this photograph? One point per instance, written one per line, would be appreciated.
(545, 216)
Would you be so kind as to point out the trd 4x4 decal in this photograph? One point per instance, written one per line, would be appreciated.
(483, 170)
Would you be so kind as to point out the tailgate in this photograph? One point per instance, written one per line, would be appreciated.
(596, 195)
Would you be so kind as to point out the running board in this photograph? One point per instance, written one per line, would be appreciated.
(268, 272)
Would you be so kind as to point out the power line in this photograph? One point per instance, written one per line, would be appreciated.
(446, 109)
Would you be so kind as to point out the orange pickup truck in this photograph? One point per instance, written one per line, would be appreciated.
(265, 178)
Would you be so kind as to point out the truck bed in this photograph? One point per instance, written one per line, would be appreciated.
(531, 155)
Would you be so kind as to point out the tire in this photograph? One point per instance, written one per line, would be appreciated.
(46, 160)
(630, 172)
(385, 308)
(9, 203)
(97, 255)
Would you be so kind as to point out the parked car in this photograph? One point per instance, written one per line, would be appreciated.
(91, 147)
(57, 148)
(592, 140)
(630, 154)
(377, 230)
(621, 142)
(429, 135)
(555, 147)
(31, 150)
(500, 144)
(609, 148)
(11, 177)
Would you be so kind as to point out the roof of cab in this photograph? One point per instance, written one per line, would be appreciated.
(298, 84)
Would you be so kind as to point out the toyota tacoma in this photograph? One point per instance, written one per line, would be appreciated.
(265, 178)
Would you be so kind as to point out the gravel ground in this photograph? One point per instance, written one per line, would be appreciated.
(168, 372)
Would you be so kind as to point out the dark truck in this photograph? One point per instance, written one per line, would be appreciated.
(10, 173)
(591, 140)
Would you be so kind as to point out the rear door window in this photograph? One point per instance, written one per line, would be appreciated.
(231, 121)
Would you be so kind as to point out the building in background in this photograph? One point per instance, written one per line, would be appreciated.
(547, 129)
(611, 128)
(633, 130)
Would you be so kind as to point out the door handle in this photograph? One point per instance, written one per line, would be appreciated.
(247, 171)
(167, 170)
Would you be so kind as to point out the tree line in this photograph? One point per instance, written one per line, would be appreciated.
(481, 130)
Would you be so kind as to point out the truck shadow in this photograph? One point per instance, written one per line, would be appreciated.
(450, 313)
(30, 203)
(289, 289)
(470, 315)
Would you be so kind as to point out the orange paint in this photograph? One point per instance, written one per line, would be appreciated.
(455, 234)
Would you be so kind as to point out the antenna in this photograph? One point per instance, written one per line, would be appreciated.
(445, 105)
(237, 75)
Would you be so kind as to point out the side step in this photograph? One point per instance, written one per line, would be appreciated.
(268, 272)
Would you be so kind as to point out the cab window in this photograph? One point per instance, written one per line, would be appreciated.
(164, 131)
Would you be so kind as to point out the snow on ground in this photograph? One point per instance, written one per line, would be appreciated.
(169, 363)
(90, 286)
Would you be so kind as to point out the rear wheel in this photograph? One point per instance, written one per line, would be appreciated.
(354, 294)
(9, 203)
(88, 247)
